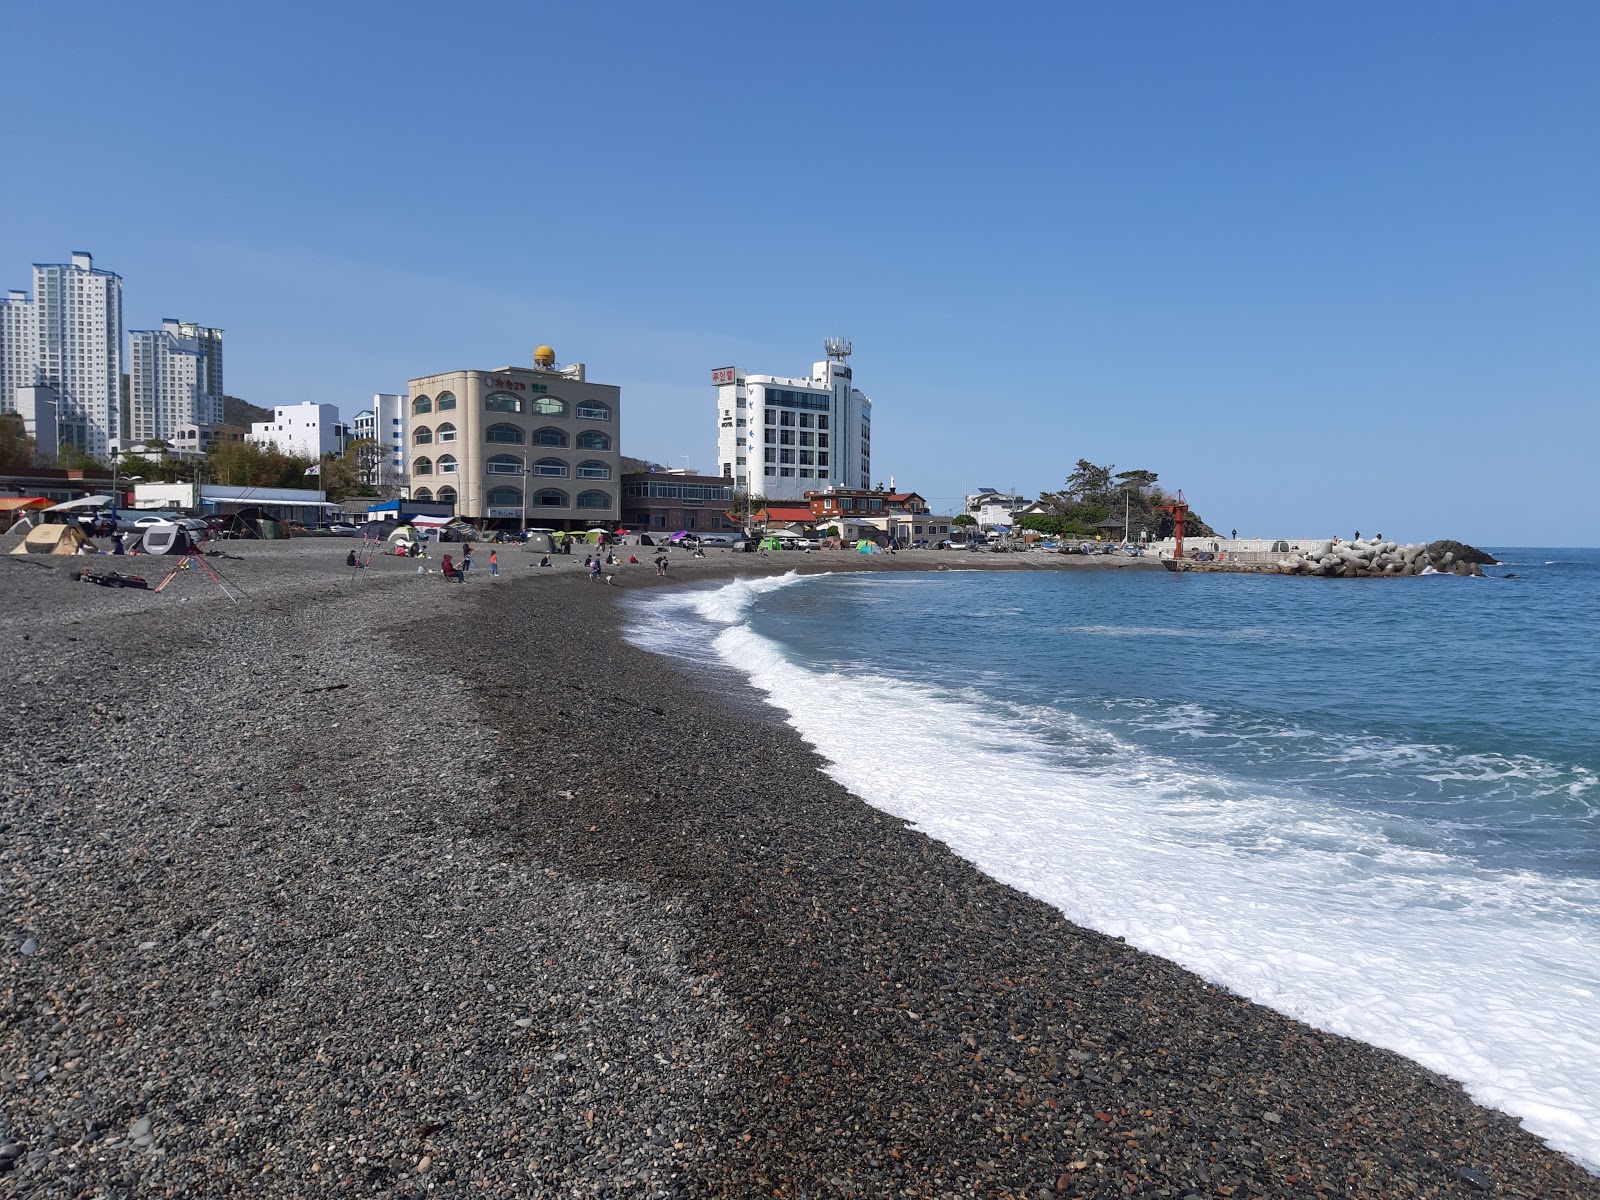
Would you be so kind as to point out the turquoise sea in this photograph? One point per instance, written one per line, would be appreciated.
(1371, 804)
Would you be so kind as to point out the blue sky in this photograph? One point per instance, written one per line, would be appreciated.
(1325, 267)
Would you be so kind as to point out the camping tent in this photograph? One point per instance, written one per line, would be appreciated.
(13, 508)
(866, 547)
(406, 534)
(53, 539)
(166, 539)
(539, 542)
(637, 539)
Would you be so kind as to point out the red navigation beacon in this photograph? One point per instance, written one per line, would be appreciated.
(1179, 508)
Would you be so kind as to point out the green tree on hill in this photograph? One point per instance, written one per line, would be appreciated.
(1092, 494)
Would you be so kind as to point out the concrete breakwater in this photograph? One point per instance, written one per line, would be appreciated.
(1352, 560)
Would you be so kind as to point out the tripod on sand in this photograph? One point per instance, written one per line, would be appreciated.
(188, 561)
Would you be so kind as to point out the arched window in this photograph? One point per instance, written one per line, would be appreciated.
(422, 466)
(422, 494)
(421, 405)
(445, 401)
(504, 497)
(447, 464)
(503, 464)
(508, 434)
(422, 436)
(550, 498)
(549, 436)
(447, 432)
(593, 439)
(550, 406)
(447, 495)
(502, 402)
(590, 410)
(593, 469)
(594, 500)
(550, 466)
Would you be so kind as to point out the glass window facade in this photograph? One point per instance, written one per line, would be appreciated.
(503, 402)
(509, 435)
(549, 436)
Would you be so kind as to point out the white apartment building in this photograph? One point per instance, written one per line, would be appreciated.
(174, 379)
(782, 437)
(307, 430)
(77, 313)
(18, 357)
(385, 424)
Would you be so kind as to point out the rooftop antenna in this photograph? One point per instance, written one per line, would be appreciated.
(837, 347)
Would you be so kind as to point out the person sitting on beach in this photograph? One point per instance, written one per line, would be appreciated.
(449, 569)
(544, 560)
(351, 560)
(633, 560)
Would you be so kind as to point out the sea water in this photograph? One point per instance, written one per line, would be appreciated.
(1373, 805)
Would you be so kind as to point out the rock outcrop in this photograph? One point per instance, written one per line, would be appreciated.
(1462, 552)
(1364, 559)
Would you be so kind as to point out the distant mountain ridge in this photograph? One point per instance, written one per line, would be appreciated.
(241, 412)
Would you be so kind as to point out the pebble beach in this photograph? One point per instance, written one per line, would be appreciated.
(374, 884)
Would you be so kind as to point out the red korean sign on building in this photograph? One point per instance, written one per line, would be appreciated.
(723, 375)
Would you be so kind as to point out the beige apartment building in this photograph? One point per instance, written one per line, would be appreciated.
(535, 446)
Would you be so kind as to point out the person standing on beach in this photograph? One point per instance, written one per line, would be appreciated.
(466, 560)
(594, 569)
(494, 563)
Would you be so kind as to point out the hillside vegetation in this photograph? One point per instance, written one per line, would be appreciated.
(1092, 494)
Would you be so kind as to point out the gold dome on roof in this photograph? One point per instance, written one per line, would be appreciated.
(544, 356)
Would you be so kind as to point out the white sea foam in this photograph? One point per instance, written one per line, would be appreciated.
(1492, 977)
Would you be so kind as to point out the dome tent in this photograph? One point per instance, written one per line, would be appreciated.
(166, 539)
(54, 539)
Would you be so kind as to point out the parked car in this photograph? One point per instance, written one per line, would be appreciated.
(344, 529)
(138, 520)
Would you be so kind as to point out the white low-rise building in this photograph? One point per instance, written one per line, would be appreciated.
(307, 430)
(994, 509)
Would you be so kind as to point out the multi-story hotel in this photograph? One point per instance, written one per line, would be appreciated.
(174, 380)
(782, 437)
(533, 445)
(77, 313)
(18, 358)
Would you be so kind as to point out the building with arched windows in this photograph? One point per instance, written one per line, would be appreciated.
(537, 445)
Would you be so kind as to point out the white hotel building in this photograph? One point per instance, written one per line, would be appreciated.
(782, 437)
(174, 379)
